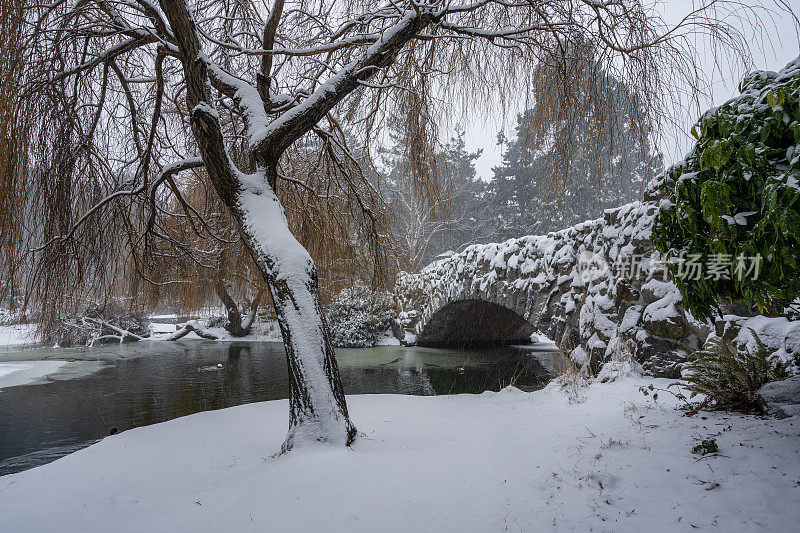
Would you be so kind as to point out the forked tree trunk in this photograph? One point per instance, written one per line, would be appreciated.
(234, 325)
(318, 411)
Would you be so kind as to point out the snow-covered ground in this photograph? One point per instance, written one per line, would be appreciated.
(615, 461)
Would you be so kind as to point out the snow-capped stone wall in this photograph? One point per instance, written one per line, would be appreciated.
(579, 286)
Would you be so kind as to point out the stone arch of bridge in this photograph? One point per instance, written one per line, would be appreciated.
(474, 322)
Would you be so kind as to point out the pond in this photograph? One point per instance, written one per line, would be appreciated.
(118, 387)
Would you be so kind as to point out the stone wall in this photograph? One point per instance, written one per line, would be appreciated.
(578, 286)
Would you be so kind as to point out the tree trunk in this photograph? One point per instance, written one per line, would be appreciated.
(234, 325)
(187, 328)
(253, 313)
(317, 407)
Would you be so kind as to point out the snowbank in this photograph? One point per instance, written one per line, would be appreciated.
(489, 462)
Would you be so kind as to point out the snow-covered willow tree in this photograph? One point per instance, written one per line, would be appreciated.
(128, 94)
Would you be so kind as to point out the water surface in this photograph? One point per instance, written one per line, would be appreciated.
(133, 385)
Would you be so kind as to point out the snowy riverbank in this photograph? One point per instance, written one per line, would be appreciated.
(24, 335)
(614, 461)
(17, 336)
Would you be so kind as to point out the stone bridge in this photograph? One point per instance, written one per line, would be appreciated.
(580, 287)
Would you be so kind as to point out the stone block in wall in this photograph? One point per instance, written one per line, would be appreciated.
(670, 327)
(662, 357)
(626, 292)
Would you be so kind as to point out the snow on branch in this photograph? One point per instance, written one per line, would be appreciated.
(292, 124)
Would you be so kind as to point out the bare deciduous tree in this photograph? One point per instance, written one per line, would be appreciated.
(117, 85)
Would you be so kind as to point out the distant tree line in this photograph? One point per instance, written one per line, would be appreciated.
(540, 186)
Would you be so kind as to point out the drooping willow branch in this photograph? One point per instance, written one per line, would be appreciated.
(304, 90)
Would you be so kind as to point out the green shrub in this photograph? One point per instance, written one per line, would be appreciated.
(706, 447)
(730, 374)
(737, 194)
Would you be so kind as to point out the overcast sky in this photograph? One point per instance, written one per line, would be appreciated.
(777, 46)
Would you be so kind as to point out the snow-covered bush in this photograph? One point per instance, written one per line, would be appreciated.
(570, 377)
(358, 315)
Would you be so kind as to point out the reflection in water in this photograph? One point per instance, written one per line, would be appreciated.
(39, 423)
